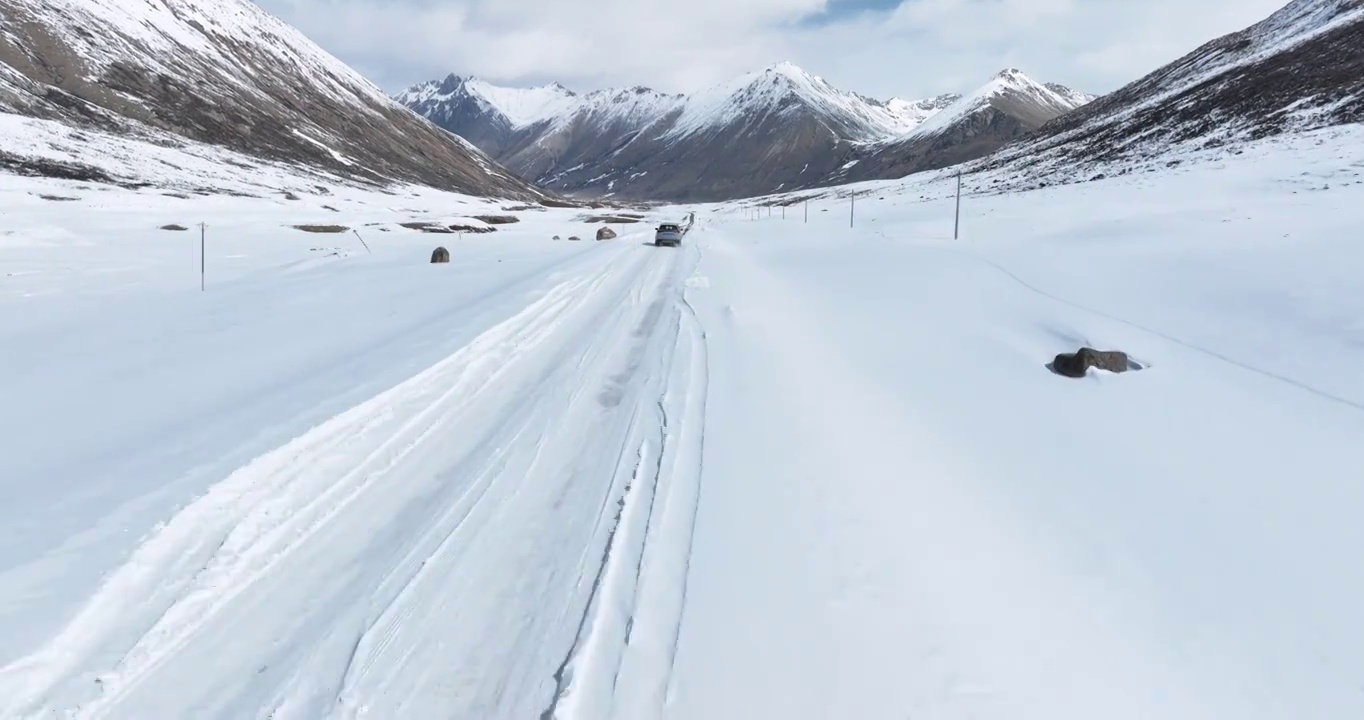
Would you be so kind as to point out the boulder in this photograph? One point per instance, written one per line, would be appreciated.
(1076, 364)
(574, 237)
(606, 233)
(440, 255)
(556, 237)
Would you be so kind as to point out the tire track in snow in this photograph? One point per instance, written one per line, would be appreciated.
(647, 670)
(602, 353)
(621, 664)
(192, 567)
(597, 638)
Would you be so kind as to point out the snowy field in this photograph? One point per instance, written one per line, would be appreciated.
(791, 469)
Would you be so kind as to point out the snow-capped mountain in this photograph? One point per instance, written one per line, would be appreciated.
(914, 113)
(518, 107)
(785, 89)
(1075, 97)
(777, 128)
(1009, 92)
(224, 73)
(1008, 107)
(1302, 68)
(539, 131)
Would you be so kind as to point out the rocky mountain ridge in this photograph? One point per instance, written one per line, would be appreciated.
(777, 128)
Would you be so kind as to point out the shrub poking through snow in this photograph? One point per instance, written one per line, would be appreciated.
(618, 219)
(177, 228)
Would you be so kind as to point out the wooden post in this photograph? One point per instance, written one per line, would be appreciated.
(956, 225)
(807, 211)
(852, 208)
(202, 262)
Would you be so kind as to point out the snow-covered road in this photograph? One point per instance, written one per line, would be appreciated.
(790, 469)
(429, 551)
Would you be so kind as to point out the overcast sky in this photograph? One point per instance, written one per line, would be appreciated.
(881, 48)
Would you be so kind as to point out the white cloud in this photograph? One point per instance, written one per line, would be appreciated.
(920, 48)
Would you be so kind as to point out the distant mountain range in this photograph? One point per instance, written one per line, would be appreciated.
(780, 128)
(194, 74)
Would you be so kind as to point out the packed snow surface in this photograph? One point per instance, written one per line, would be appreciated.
(790, 469)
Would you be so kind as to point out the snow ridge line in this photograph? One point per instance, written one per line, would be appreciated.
(251, 520)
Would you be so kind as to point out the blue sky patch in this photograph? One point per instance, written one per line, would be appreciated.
(840, 10)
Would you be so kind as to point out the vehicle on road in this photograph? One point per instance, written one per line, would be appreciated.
(668, 234)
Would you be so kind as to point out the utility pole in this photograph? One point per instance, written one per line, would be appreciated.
(956, 225)
(202, 263)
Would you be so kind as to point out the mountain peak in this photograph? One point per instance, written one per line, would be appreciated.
(1013, 77)
(1012, 92)
(450, 84)
(788, 69)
